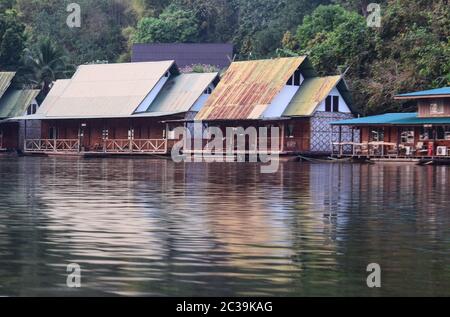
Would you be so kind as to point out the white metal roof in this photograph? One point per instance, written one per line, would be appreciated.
(104, 90)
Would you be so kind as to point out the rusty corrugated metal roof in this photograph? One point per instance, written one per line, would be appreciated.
(5, 81)
(181, 92)
(248, 88)
(311, 93)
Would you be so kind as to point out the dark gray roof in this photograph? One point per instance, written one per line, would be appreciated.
(219, 55)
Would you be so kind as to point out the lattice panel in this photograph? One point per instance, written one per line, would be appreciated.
(323, 134)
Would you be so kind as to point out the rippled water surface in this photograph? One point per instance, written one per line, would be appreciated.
(152, 227)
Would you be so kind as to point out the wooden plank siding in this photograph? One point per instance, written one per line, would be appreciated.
(9, 136)
(144, 128)
(424, 107)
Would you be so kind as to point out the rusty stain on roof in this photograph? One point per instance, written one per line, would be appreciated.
(248, 88)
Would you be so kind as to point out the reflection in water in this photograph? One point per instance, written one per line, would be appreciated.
(152, 227)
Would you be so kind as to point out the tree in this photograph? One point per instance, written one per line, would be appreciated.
(99, 37)
(12, 39)
(335, 37)
(44, 64)
(173, 25)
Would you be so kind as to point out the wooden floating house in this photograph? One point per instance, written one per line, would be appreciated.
(420, 135)
(108, 109)
(285, 93)
(14, 102)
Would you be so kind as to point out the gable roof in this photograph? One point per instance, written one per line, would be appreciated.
(181, 93)
(50, 100)
(5, 81)
(311, 93)
(106, 90)
(185, 54)
(248, 88)
(440, 92)
(16, 102)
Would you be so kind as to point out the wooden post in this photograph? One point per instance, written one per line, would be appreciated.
(331, 139)
(282, 137)
(130, 135)
(25, 136)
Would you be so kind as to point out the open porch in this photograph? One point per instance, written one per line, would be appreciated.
(398, 142)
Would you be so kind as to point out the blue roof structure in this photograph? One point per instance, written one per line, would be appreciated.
(409, 118)
(426, 93)
(387, 118)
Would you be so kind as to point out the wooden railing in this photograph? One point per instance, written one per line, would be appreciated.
(155, 146)
(152, 146)
(52, 145)
(387, 149)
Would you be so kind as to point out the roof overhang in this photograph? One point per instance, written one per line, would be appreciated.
(139, 115)
(420, 97)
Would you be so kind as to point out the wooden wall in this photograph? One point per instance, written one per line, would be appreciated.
(144, 128)
(301, 139)
(424, 107)
(10, 132)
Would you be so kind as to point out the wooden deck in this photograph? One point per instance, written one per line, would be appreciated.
(387, 151)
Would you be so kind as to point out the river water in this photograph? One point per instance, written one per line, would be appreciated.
(149, 227)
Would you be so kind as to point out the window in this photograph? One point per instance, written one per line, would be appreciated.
(290, 131)
(332, 104)
(296, 79)
(328, 102)
(208, 91)
(443, 133)
(426, 133)
(407, 137)
(336, 103)
(377, 135)
(32, 109)
(436, 108)
(167, 75)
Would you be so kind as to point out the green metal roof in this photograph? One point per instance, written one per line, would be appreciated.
(311, 93)
(410, 118)
(15, 102)
(181, 92)
(5, 81)
(427, 93)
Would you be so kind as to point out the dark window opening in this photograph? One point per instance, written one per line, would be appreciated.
(328, 104)
(296, 79)
(290, 131)
(335, 103)
(53, 133)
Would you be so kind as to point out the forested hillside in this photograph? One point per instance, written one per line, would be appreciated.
(410, 51)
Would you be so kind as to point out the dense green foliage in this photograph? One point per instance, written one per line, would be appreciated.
(410, 51)
(12, 37)
(172, 25)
